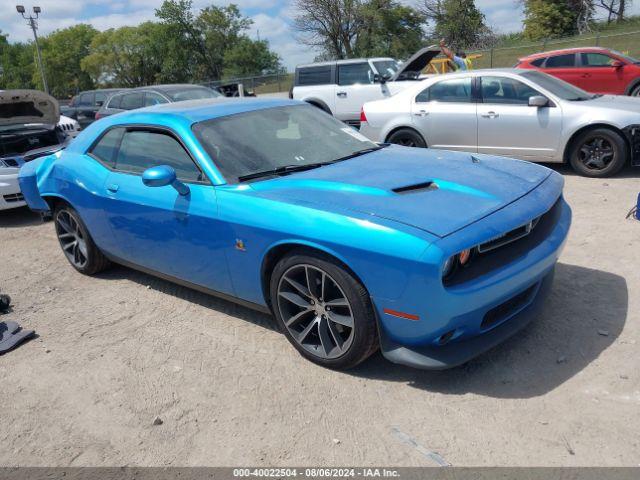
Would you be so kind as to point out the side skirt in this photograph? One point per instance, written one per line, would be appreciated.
(193, 286)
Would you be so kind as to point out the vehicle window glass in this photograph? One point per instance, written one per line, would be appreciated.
(191, 93)
(105, 149)
(558, 87)
(355, 73)
(131, 101)
(114, 102)
(455, 90)
(100, 97)
(265, 139)
(86, 99)
(596, 60)
(151, 98)
(314, 76)
(386, 67)
(506, 91)
(142, 149)
(561, 61)
(538, 62)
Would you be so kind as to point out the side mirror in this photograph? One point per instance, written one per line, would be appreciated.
(538, 101)
(161, 176)
(99, 103)
(380, 78)
(617, 64)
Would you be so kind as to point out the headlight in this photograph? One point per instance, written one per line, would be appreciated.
(449, 265)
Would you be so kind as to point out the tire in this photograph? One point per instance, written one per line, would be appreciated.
(76, 243)
(309, 321)
(407, 138)
(598, 153)
(635, 91)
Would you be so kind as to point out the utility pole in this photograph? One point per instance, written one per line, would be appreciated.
(31, 21)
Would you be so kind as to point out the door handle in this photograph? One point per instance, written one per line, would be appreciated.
(113, 188)
(490, 115)
(342, 94)
(421, 113)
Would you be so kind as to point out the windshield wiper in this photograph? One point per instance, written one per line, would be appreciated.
(357, 153)
(280, 171)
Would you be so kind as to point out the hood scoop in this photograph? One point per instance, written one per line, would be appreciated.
(416, 188)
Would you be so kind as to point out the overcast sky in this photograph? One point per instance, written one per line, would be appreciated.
(272, 19)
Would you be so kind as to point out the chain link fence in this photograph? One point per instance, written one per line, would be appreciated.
(627, 43)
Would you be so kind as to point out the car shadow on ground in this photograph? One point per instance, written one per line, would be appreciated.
(584, 314)
(118, 272)
(565, 169)
(19, 217)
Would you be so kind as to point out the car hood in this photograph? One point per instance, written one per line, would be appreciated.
(19, 107)
(418, 62)
(616, 102)
(439, 192)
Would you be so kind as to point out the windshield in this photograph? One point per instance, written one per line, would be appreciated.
(268, 139)
(558, 87)
(386, 67)
(191, 93)
(625, 57)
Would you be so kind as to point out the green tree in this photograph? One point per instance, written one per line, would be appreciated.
(17, 64)
(62, 53)
(389, 29)
(549, 18)
(459, 22)
(250, 57)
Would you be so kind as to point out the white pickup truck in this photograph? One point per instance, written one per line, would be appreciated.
(341, 87)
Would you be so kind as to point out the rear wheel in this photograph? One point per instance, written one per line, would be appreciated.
(598, 153)
(407, 138)
(323, 310)
(76, 243)
(635, 92)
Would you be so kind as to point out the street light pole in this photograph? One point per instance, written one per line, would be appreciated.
(32, 22)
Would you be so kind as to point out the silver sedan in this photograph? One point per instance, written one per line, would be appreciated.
(522, 114)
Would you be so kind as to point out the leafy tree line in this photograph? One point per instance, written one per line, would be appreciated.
(181, 46)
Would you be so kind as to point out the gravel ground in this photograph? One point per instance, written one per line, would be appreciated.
(116, 351)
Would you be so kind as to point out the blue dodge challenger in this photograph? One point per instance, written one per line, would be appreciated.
(432, 256)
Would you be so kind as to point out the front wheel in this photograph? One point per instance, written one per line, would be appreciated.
(635, 92)
(407, 138)
(323, 310)
(76, 243)
(598, 153)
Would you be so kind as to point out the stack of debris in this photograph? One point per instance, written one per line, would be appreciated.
(11, 334)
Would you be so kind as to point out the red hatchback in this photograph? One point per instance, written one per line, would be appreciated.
(596, 70)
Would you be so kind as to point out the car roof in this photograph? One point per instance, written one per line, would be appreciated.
(168, 87)
(345, 62)
(565, 51)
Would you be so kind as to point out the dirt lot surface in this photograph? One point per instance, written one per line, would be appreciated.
(117, 351)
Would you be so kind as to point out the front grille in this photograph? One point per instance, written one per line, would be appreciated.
(512, 236)
(508, 308)
(505, 252)
(13, 197)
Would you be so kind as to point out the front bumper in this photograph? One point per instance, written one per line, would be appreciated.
(431, 357)
(10, 195)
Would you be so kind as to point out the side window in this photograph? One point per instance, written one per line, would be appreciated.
(505, 90)
(86, 99)
(561, 61)
(596, 60)
(151, 98)
(456, 90)
(314, 76)
(142, 149)
(354, 73)
(114, 102)
(105, 149)
(538, 62)
(131, 101)
(100, 97)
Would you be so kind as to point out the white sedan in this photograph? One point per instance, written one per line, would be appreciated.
(523, 114)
